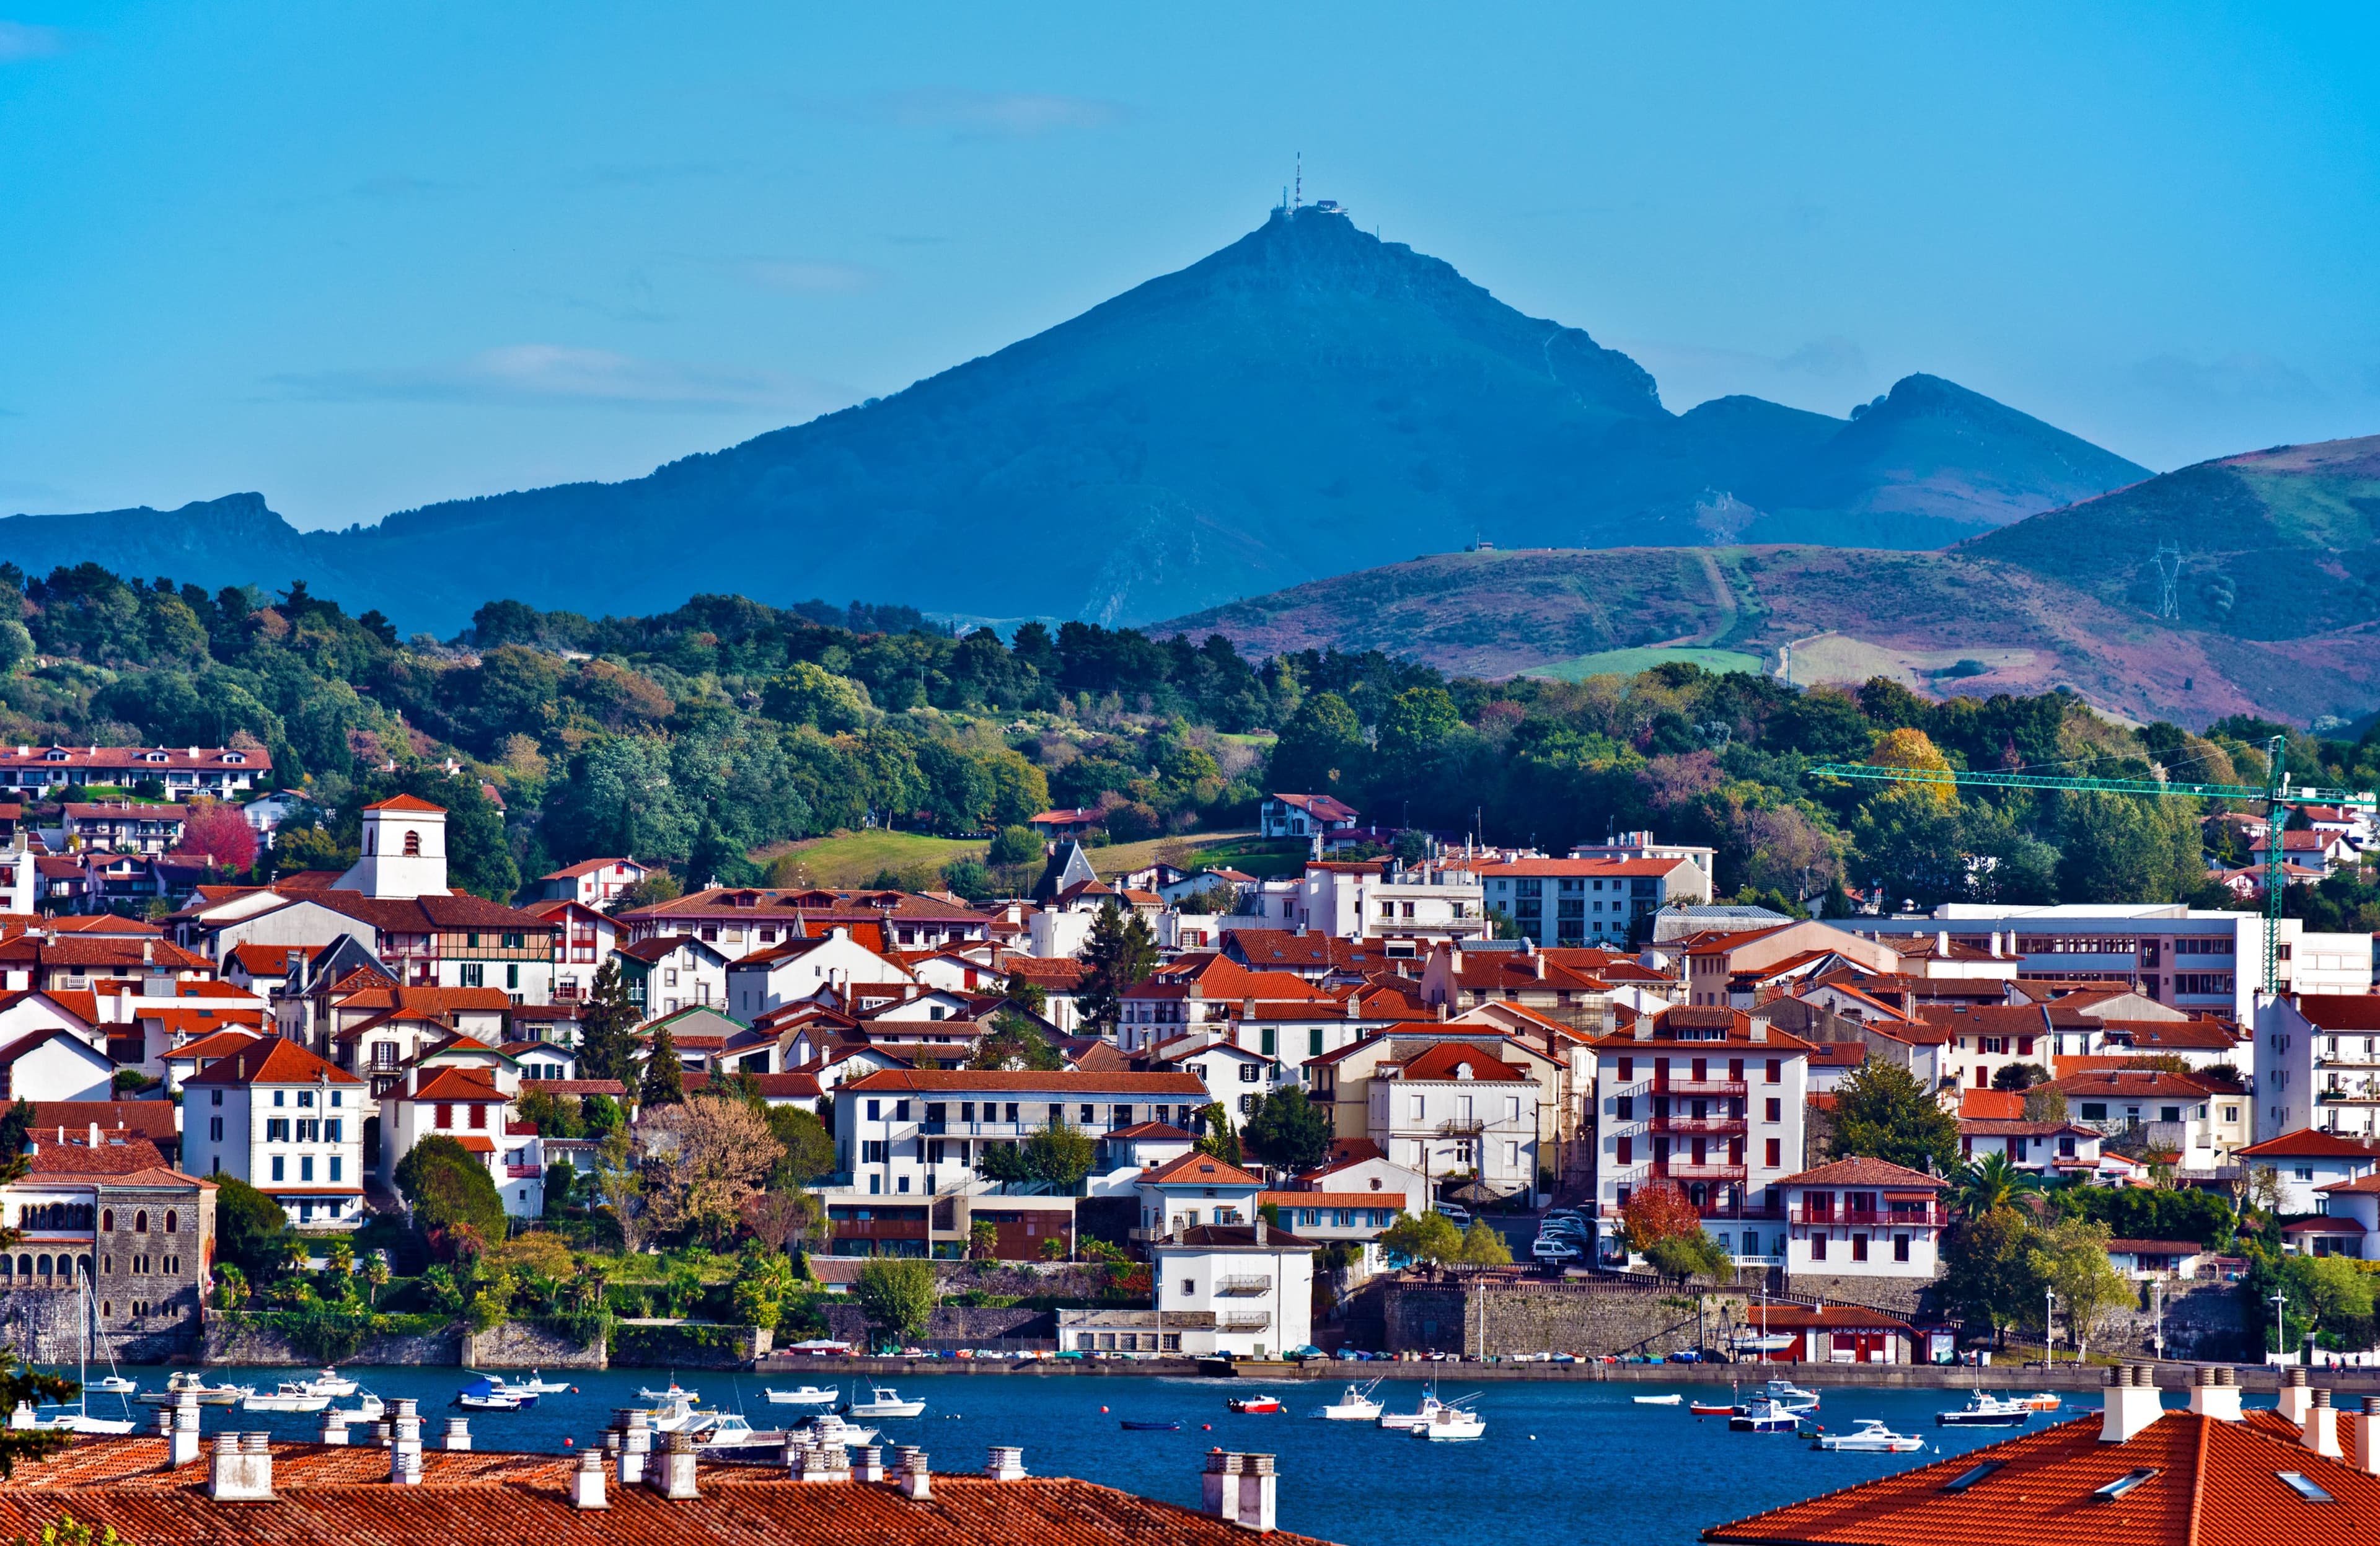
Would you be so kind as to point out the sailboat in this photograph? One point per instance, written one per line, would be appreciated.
(79, 1420)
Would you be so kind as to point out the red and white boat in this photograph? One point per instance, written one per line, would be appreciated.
(1254, 1404)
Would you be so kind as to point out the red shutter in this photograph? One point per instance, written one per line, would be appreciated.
(1624, 1149)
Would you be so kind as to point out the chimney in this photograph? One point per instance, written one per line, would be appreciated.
(871, 1465)
(1942, 942)
(458, 1434)
(182, 1446)
(2319, 1433)
(405, 1450)
(2296, 1399)
(1260, 1226)
(334, 1429)
(674, 1477)
(1996, 944)
(635, 1443)
(2215, 1393)
(586, 1482)
(916, 1482)
(148, 952)
(93, 1141)
(412, 1080)
(2131, 1403)
(1239, 1487)
(2367, 1438)
(1006, 1464)
(241, 1470)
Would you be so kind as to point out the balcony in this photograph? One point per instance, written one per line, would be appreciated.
(879, 1230)
(1722, 1087)
(522, 1172)
(1242, 1287)
(1242, 1321)
(1461, 1127)
(933, 1130)
(1717, 1126)
(1687, 1170)
(1865, 1218)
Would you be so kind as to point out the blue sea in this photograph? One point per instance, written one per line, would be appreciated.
(1561, 1461)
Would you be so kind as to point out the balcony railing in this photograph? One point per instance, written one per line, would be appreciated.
(1869, 1217)
(1463, 1127)
(1242, 1321)
(1719, 1126)
(879, 1230)
(1242, 1287)
(1747, 1212)
(1687, 1170)
(522, 1172)
(1699, 1087)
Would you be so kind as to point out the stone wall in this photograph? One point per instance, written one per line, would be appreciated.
(1903, 1297)
(1480, 1319)
(242, 1341)
(686, 1345)
(953, 1326)
(45, 1325)
(528, 1344)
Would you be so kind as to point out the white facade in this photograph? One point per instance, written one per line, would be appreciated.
(293, 1129)
(915, 1134)
(802, 970)
(466, 1105)
(1863, 1218)
(1456, 1110)
(55, 1065)
(2317, 1065)
(1257, 1282)
(1434, 900)
(403, 852)
(1588, 901)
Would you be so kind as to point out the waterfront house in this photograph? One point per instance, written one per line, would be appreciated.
(1862, 1221)
(285, 1122)
(1831, 1334)
(1458, 1112)
(590, 882)
(1257, 1281)
(1191, 1190)
(2306, 1161)
(466, 1106)
(142, 1232)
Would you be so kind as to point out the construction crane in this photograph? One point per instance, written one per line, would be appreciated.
(2276, 792)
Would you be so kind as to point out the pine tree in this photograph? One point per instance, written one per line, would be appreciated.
(606, 1032)
(1121, 952)
(664, 1079)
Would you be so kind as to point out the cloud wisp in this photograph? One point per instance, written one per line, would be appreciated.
(553, 375)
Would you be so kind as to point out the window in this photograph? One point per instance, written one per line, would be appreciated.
(1314, 1042)
(1776, 1111)
(276, 1129)
(335, 1167)
(2095, 1111)
(1627, 1070)
(1901, 1248)
(1624, 1150)
(1859, 1246)
(306, 1167)
(442, 1115)
(1818, 1248)
(1249, 1073)
(218, 1097)
(1967, 1478)
(1624, 1107)
(2296, 1482)
(412, 844)
(875, 1111)
(277, 1168)
(280, 1097)
(1773, 1156)
(1413, 1108)
(1247, 1104)
(331, 1130)
(215, 1131)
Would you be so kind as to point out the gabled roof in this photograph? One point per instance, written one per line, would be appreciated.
(1158, 1132)
(2309, 1143)
(284, 1063)
(407, 803)
(1863, 1171)
(78, 1156)
(454, 1083)
(1197, 1169)
(1454, 1060)
(2132, 1084)
(2341, 1011)
(34, 1041)
(1063, 1082)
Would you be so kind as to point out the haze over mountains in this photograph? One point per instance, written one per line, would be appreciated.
(1307, 402)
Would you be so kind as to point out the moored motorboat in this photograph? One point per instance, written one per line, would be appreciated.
(827, 1427)
(482, 1395)
(1132, 1427)
(2045, 1401)
(115, 1384)
(1658, 1400)
(1354, 1405)
(1761, 1415)
(1871, 1437)
(674, 1393)
(1986, 1410)
(1254, 1404)
(192, 1382)
(1709, 1409)
(328, 1381)
(292, 1397)
(1429, 1408)
(538, 1384)
(368, 1408)
(806, 1395)
(1450, 1423)
(883, 1401)
(1785, 1393)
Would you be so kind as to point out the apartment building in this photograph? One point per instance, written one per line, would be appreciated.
(2317, 1065)
(216, 770)
(1710, 1100)
(1588, 901)
(1864, 1220)
(1454, 1111)
(285, 1122)
(904, 1132)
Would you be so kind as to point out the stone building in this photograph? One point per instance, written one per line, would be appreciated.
(113, 1209)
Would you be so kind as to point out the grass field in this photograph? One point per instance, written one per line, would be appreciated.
(854, 860)
(1628, 662)
(1240, 851)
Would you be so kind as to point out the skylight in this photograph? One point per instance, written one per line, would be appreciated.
(1967, 1478)
(2304, 1488)
(2123, 1484)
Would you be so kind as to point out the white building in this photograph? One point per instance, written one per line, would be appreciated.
(1456, 1110)
(1257, 1282)
(2306, 1161)
(285, 1122)
(1711, 1101)
(1588, 901)
(904, 1132)
(1304, 816)
(1192, 1189)
(1641, 845)
(2317, 1065)
(466, 1105)
(803, 969)
(1863, 1218)
(594, 882)
(1381, 899)
(55, 1065)
(2192, 958)
(404, 850)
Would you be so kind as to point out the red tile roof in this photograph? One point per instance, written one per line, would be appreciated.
(77, 1157)
(1064, 1081)
(2132, 1084)
(2200, 1480)
(2309, 1143)
(406, 802)
(284, 1063)
(1455, 1060)
(149, 1119)
(2341, 1011)
(1195, 1169)
(1392, 1200)
(1859, 1170)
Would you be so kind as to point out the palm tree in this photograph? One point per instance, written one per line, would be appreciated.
(1990, 1182)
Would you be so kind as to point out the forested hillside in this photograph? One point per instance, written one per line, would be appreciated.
(712, 735)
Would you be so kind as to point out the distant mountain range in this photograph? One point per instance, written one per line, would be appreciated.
(2276, 554)
(1306, 402)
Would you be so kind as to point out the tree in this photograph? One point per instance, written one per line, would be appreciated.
(2020, 1076)
(1288, 1131)
(1059, 1154)
(217, 834)
(1015, 845)
(454, 1201)
(1215, 1136)
(607, 1031)
(808, 1147)
(1430, 1237)
(2328, 1292)
(898, 1293)
(1658, 1212)
(1882, 1111)
(16, 1130)
(2071, 1259)
(1321, 750)
(777, 1217)
(1484, 1246)
(1026, 994)
(1121, 952)
(251, 1228)
(664, 1082)
(561, 1187)
(1914, 750)
(709, 1153)
(2117, 848)
(1986, 1274)
(983, 1240)
(1684, 1256)
(1989, 1183)
(621, 1182)
(1015, 1042)
(2044, 1105)
(1414, 724)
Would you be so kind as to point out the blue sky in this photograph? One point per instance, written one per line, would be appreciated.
(359, 257)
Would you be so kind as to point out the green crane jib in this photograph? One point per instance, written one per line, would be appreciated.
(2277, 792)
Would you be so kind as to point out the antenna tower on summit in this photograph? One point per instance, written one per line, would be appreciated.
(1300, 197)
(2169, 562)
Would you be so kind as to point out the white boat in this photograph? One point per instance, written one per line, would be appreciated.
(1785, 1393)
(1450, 1423)
(538, 1384)
(829, 1428)
(79, 1419)
(65, 1420)
(807, 1396)
(368, 1408)
(1775, 1342)
(1430, 1405)
(1356, 1406)
(883, 1401)
(1871, 1437)
(481, 1395)
(329, 1382)
(115, 1384)
(195, 1385)
(1986, 1410)
(293, 1397)
(671, 1415)
(674, 1393)
(1658, 1400)
(1764, 1416)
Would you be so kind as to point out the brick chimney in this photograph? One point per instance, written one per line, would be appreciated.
(586, 1482)
(241, 1469)
(2131, 1403)
(916, 1480)
(2215, 1393)
(1239, 1487)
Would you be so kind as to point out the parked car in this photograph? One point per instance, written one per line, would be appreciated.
(1551, 1248)
(1455, 1213)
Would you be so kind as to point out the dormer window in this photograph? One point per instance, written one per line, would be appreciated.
(235, 757)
